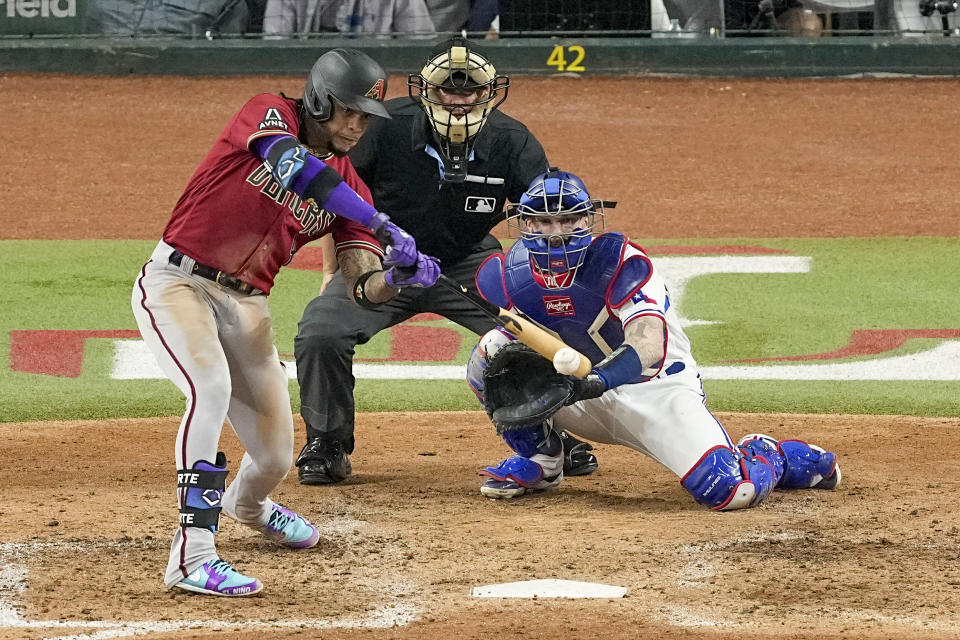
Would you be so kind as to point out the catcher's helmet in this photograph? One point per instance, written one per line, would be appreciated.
(457, 65)
(352, 78)
(557, 194)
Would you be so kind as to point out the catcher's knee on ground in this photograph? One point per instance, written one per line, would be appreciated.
(725, 479)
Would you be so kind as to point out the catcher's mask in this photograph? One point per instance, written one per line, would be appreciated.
(457, 67)
(555, 220)
(348, 76)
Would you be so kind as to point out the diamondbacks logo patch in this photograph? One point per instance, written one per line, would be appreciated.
(272, 120)
(559, 306)
(376, 91)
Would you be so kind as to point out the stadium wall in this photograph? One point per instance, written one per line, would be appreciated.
(733, 57)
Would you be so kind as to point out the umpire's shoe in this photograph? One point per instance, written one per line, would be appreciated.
(323, 462)
(577, 459)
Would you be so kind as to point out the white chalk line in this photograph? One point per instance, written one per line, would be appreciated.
(133, 361)
(14, 576)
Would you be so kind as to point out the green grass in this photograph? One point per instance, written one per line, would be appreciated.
(879, 283)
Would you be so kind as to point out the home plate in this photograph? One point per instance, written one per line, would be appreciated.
(548, 589)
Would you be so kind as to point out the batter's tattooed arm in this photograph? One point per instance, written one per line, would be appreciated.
(355, 263)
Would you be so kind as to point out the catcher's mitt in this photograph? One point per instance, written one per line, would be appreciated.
(521, 388)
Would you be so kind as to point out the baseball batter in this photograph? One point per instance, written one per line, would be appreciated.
(604, 297)
(275, 179)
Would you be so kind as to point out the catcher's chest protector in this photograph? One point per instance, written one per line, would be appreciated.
(573, 311)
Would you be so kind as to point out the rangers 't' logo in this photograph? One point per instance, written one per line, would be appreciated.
(559, 306)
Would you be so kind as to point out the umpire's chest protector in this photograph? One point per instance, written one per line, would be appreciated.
(579, 314)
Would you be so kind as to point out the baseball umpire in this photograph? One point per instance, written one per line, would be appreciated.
(276, 178)
(443, 166)
(604, 297)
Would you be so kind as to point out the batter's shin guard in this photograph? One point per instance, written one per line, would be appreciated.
(201, 492)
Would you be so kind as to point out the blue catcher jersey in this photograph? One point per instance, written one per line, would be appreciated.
(613, 286)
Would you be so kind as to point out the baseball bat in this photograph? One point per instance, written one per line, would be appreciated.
(525, 330)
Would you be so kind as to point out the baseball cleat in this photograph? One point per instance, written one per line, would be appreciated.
(514, 477)
(290, 529)
(323, 462)
(577, 459)
(217, 578)
(506, 489)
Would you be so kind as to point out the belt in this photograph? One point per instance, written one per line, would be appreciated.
(221, 278)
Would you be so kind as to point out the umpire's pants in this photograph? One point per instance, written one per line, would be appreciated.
(333, 324)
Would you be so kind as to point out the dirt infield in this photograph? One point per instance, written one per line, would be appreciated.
(109, 157)
(408, 536)
(88, 508)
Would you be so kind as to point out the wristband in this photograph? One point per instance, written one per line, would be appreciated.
(623, 366)
(359, 295)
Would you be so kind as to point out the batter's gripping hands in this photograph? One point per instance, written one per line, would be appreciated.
(422, 274)
(401, 248)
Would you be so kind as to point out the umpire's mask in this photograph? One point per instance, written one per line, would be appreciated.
(457, 89)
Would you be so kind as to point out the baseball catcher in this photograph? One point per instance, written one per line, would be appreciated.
(603, 296)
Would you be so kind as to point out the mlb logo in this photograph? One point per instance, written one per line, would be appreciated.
(559, 306)
(478, 204)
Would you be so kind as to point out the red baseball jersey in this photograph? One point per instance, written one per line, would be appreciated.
(235, 217)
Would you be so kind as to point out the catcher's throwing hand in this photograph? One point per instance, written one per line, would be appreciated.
(423, 272)
(401, 248)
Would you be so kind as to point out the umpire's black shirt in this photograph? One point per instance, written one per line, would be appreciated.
(447, 220)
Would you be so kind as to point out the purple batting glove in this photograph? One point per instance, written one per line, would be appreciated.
(400, 245)
(423, 274)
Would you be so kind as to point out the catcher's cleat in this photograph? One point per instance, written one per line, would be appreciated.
(514, 477)
(577, 459)
(217, 578)
(323, 462)
(290, 529)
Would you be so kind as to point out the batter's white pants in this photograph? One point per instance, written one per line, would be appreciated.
(217, 346)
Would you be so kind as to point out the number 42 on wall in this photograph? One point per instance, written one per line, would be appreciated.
(558, 58)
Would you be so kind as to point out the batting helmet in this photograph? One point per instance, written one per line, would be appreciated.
(457, 65)
(557, 194)
(349, 76)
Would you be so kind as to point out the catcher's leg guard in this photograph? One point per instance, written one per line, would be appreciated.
(725, 479)
(200, 504)
(538, 464)
(803, 466)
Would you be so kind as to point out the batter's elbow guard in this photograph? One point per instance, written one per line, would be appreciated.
(724, 480)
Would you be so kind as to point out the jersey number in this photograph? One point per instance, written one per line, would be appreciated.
(559, 60)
